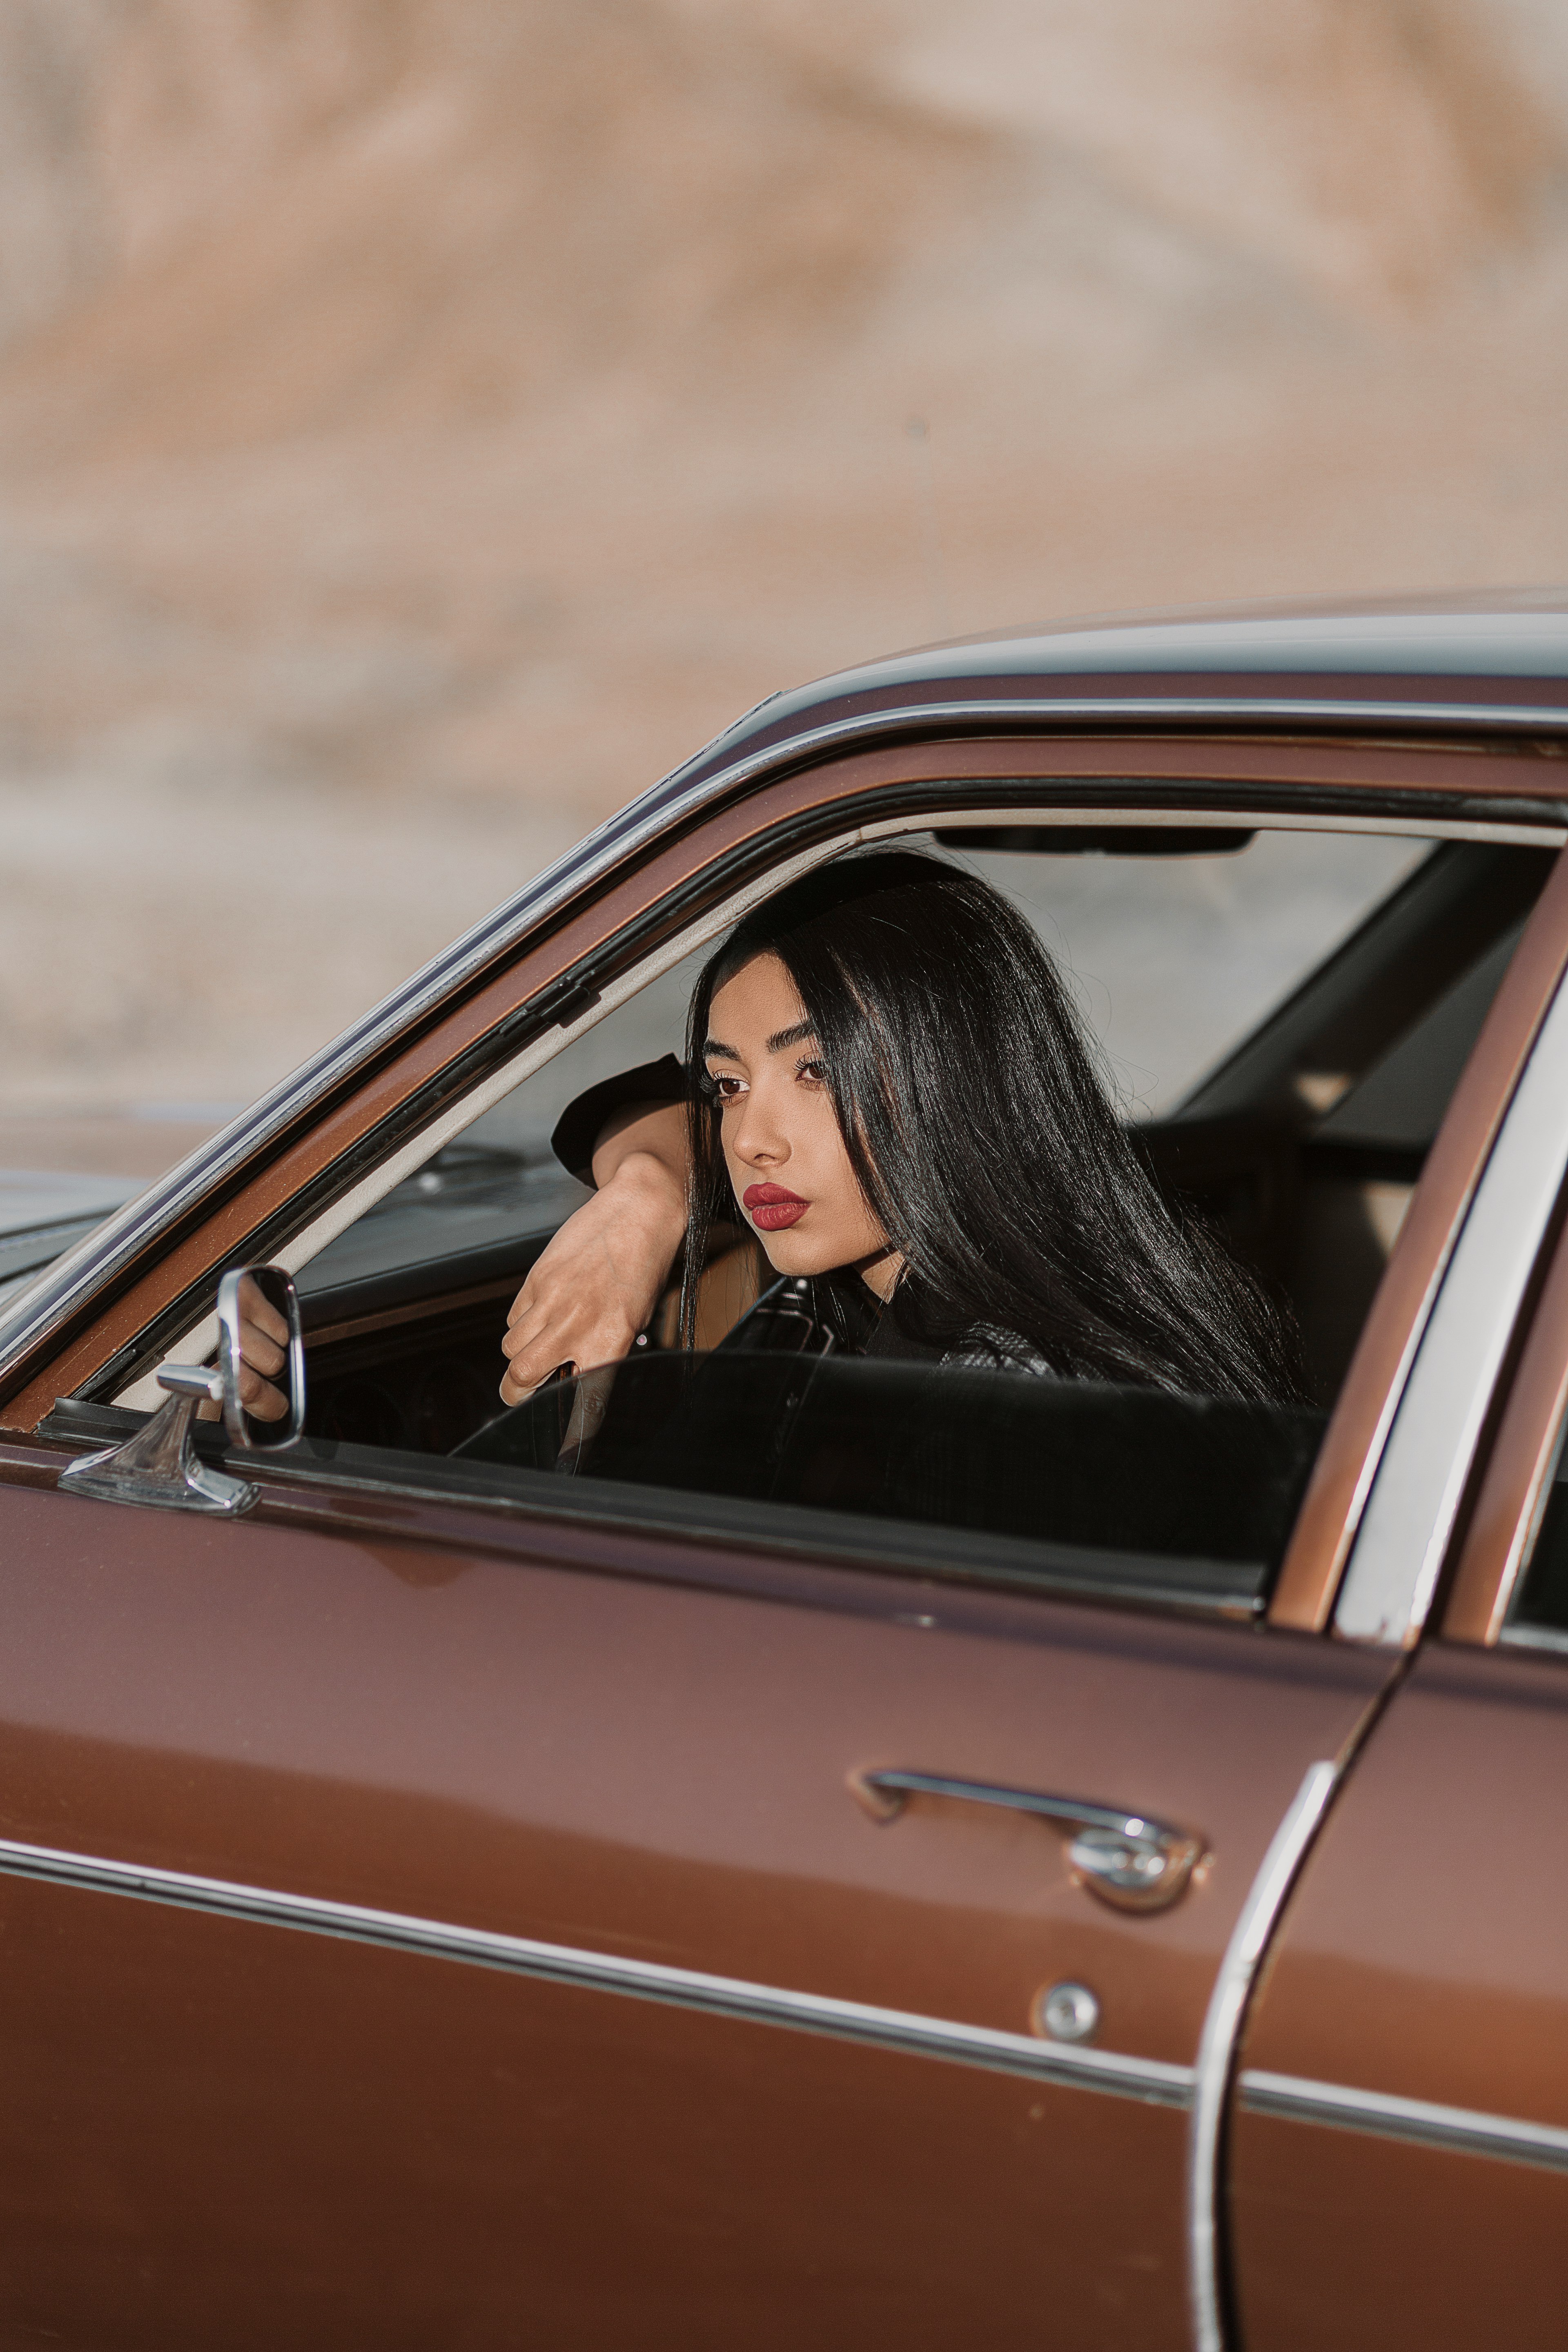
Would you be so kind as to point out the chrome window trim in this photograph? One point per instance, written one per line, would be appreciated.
(1153, 2081)
(664, 804)
(1414, 1497)
(1276, 1876)
(1386, 2117)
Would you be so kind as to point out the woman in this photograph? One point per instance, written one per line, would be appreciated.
(893, 1089)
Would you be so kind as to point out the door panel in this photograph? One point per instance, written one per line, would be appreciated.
(318, 2146)
(638, 1769)
(1421, 1959)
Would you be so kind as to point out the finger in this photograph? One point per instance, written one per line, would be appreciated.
(259, 1349)
(256, 1309)
(543, 1331)
(259, 1398)
(536, 1354)
(525, 1371)
(563, 1308)
(549, 1286)
(524, 1332)
(548, 1350)
(536, 1350)
(514, 1390)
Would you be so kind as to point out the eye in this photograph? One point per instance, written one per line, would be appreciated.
(725, 1088)
(813, 1073)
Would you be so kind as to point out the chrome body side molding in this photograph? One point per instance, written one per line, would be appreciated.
(1216, 2051)
(1153, 2081)
(1150, 2081)
(1386, 2117)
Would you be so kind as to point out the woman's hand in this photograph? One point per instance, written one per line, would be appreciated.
(264, 1352)
(597, 1284)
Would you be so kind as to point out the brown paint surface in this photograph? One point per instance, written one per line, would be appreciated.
(321, 2145)
(1423, 1956)
(1411, 2248)
(627, 1766)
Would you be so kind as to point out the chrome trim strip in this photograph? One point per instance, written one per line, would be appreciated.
(1151, 2080)
(1409, 1516)
(67, 1283)
(1386, 2117)
(1216, 2050)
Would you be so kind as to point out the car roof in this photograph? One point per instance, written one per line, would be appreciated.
(1497, 658)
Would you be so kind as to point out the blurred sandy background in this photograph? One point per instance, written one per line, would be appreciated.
(425, 421)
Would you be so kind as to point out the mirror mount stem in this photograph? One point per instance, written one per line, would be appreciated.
(159, 1466)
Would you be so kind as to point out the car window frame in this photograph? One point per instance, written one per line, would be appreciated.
(138, 1281)
(737, 854)
(1505, 1043)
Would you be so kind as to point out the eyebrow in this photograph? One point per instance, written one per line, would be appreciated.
(778, 1044)
(795, 1036)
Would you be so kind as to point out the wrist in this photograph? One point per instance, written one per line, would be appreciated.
(644, 1177)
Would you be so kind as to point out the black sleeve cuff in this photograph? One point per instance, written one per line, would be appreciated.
(580, 1125)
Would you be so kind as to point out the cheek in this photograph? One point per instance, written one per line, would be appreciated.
(833, 1180)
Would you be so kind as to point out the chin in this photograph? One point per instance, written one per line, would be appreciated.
(791, 1253)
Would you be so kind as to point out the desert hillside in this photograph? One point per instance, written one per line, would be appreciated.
(423, 422)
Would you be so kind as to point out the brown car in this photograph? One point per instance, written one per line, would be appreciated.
(773, 1849)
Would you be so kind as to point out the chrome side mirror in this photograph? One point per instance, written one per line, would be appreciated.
(158, 1464)
(240, 1295)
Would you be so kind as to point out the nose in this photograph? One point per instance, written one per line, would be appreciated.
(757, 1138)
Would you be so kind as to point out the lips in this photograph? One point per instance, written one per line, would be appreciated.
(770, 1207)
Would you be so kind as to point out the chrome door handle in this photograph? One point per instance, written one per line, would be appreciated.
(1127, 1860)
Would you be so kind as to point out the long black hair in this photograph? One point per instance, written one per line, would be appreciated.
(983, 1138)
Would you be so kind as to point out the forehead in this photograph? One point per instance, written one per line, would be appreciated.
(756, 1001)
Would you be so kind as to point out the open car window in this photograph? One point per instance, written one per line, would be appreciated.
(1282, 1019)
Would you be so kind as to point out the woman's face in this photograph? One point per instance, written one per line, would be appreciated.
(787, 1158)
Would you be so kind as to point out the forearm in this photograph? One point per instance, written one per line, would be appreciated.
(598, 1282)
(643, 1203)
(654, 1132)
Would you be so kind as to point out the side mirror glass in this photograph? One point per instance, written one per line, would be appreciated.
(261, 1358)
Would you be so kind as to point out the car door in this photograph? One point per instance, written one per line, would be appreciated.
(441, 1914)
(426, 1930)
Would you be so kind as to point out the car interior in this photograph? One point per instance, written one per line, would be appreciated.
(1283, 1015)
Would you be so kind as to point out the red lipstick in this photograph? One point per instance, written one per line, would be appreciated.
(772, 1207)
